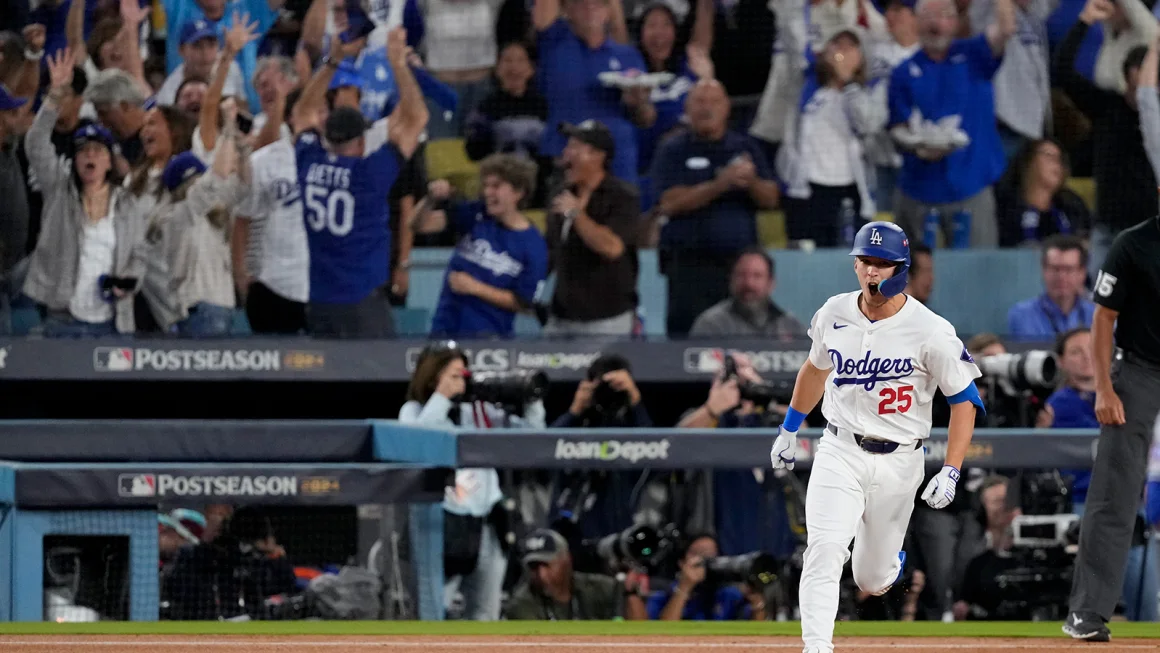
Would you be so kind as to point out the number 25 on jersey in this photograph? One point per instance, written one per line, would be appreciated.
(329, 209)
(896, 400)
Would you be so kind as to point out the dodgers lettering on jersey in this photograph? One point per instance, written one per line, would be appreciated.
(495, 255)
(347, 219)
(884, 374)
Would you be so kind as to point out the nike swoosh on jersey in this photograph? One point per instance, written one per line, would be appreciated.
(840, 326)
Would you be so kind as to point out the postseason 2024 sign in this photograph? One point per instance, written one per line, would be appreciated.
(385, 360)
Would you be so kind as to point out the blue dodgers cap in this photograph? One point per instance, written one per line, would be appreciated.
(93, 132)
(197, 30)
(346, 75)
(180, 168)
(8, 101)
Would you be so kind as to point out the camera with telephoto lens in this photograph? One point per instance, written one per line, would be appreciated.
(1028, 370)
(761, 394)
(756, 569)
(636, 547)
(512, 389)
(640, 546)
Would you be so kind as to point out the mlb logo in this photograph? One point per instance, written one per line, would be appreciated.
(136, 485)
(113, 359)
(704, 361)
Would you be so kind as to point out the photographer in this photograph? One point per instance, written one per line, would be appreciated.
(737, 399)
(602, 502)
(606, 398)
(984, 596)
(748, 507)
(233, 576)
(439, 396)
(551, 590)
(697, 596)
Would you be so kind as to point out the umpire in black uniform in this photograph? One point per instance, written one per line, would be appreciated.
(1127, 296)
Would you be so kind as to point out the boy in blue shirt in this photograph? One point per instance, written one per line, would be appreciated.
(501, 259)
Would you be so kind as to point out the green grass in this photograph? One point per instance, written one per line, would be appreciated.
(562, 628)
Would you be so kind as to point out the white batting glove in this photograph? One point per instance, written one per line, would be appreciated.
(940, 492)
(784, 451)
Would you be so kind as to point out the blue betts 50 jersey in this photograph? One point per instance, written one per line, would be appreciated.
(498, 256)
(344, 201)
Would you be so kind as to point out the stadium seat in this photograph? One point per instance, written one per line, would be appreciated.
(771, 227)
(25, 321)
(447, 159)
(1085, 187)
(241, 325)
(412, 321)
(539, 218)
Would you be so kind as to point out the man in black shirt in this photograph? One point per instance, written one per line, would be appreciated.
(592, 234)
(1127, 292)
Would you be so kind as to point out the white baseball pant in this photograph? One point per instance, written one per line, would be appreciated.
(860, 496)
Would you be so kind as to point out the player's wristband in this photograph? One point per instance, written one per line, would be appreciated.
(793, 419)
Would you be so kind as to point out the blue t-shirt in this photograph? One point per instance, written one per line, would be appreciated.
(495, 255)
(1073, 409)
(568, 79)
(1039, 318)
(180, 12)
(728, 605)
(726, 225)
(959, 85)
(344, 202)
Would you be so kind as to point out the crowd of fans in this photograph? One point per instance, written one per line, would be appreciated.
(149, 171)
(166, 164)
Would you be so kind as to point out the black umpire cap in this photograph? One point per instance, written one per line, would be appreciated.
(591, 132)
(344, 124)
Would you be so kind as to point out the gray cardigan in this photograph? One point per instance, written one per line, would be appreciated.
(52, 270)
(197, 252)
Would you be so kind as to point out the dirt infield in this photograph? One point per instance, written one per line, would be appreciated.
(516, 644)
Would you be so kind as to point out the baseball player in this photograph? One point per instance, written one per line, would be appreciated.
(877, 357)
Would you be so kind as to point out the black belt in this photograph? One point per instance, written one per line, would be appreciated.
(873, 445)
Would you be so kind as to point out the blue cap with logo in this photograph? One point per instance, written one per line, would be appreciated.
(196, 30)
(887, 241)
(346, 75)
(180, 168)
(8, 101)
(93, 132)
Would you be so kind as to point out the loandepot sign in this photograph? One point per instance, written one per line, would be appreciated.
(632, 451)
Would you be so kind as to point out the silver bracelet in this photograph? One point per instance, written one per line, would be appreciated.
(33, 56)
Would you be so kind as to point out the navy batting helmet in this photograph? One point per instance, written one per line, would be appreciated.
(885, 240)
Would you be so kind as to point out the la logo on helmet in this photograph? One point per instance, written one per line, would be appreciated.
(875, 238)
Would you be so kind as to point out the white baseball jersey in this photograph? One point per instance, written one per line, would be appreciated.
(883, 374)
(279, 256)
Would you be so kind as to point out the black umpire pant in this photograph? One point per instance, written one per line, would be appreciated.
(1113, 499)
